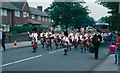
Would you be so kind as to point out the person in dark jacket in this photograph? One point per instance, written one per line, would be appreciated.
(97, 38)
(66, 33)
(3, 40)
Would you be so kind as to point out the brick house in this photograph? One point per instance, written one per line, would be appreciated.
(19, 14)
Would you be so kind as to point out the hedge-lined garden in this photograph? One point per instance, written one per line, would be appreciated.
(23, 29)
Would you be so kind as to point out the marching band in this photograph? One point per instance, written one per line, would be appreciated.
(61, 40)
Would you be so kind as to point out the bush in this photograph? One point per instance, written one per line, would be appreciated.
(23, 29)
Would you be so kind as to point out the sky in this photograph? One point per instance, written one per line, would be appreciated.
(97, 11)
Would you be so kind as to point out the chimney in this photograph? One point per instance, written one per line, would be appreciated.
(46, 11)
(39, 8)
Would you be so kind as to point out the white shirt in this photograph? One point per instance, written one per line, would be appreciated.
(41, 34)
(71, 34)
(47, 34)
(34, 35)
(74, 37)
(66, 39)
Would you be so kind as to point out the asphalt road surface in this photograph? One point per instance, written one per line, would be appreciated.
(23, 59)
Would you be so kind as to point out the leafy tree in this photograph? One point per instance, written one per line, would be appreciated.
(113, 6)
(69, 14)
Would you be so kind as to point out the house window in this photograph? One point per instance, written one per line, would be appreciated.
(46, 18)
(33, 16)
(17, 13)
(25, 14)
(43, 18)
(28, 15)
(3, 12)
(5, 27)
(39, 18)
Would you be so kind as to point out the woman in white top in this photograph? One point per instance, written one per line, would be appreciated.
(34, 37)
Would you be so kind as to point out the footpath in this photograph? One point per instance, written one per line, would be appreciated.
(19, 44)
(108, 65)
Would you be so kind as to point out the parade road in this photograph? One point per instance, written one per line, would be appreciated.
(23, 59)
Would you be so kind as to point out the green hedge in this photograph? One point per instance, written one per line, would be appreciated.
(23, 29)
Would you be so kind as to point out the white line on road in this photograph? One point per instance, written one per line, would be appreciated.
(56, 51)
(21, 60)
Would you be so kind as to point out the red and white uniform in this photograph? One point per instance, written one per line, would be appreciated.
(75, 40)
(66, 39)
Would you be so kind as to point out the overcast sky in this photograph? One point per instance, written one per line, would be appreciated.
(97, 11)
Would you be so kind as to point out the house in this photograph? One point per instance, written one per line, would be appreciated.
(40, 16)
(19, 14)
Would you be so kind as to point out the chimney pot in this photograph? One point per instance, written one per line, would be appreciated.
(39, 8)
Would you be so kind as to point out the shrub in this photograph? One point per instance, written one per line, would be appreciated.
(23, 29)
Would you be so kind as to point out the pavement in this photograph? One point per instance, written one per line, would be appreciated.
(106, 65)
(19, 44)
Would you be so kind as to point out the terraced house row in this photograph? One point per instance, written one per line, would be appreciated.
(20, 14)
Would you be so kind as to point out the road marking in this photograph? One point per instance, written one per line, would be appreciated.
(21, 60)
(55, 51)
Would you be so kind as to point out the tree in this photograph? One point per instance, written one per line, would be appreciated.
(69, 14)
(113, 6)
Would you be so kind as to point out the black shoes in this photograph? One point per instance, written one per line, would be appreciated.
(65, 54)
(96, 58)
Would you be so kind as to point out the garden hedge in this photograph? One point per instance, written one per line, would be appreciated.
(23, 29)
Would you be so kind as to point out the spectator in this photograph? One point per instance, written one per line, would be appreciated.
(117, 53)
(112, 48)
(0, 37)
(3, 40)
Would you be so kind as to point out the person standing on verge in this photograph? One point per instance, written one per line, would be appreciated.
(117, 52)
(34, 36)
(0, 37)
(96, 43)
(3, 40)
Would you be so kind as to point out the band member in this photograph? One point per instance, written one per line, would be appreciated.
(56, 40)
(79, 41)
(89, 40)
(43, 38)
(34, 36)
(83, 43)
(66, 40)
(61, 42)
(70, 39)
(49, 40)
(75, 39)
